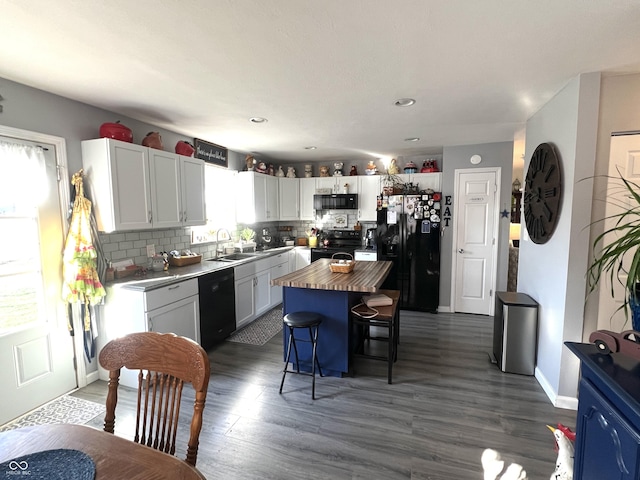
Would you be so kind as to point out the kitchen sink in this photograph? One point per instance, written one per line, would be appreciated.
(233, 257)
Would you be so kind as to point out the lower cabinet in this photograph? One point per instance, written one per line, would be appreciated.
(608, 422)
(302, 257)
(173, 308)
(253, 290)
(254, 293)
(279, 267)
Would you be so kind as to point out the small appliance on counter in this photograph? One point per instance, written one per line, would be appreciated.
(370, 239)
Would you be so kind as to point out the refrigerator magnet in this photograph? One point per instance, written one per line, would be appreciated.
(392, 217)
(426, 227)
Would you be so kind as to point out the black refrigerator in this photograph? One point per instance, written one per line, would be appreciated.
(408, 234)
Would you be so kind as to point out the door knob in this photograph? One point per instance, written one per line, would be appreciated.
(461, 250)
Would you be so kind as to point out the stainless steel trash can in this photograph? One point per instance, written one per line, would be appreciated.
(515, 332)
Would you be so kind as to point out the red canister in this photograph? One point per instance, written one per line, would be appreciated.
(117, 131)
(184, 148)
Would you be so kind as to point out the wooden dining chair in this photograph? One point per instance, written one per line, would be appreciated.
(165, 362)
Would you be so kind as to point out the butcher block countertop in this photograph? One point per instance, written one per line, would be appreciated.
(365, 277)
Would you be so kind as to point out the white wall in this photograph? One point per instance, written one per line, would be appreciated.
(493, 155)
(553, 274)
(619, 112)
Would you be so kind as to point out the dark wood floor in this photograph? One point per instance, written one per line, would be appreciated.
(447, 404)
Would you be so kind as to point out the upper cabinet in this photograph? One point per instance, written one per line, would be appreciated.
(307, 191)
(288, 198)
(257, 197)
(368, 190)
(193, 191)
(424, 181)
(137, 188)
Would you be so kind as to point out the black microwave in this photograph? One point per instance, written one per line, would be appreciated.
(338, 201)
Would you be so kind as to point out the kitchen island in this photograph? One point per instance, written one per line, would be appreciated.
(316, 288)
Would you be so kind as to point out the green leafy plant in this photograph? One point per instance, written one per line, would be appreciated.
(613, 245)
(247, 234)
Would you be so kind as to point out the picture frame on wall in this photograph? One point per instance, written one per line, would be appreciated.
(210, 152)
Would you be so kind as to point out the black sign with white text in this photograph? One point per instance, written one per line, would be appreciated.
(210, 152)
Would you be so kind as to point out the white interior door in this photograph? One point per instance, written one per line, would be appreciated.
(36, 350)
(475, 234)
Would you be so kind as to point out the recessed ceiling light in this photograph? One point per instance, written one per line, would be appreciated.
(404, 102)
(258, 120)
(311, 147)
(412, 139)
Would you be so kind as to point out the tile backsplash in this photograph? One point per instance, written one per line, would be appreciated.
(123, 245)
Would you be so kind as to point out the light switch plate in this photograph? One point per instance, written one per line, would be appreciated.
(151, 250)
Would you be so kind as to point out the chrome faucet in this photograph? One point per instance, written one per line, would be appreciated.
(219, 250)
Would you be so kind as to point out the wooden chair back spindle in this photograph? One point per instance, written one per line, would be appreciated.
(165, 362)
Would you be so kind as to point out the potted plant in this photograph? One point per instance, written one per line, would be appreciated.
(615, 246)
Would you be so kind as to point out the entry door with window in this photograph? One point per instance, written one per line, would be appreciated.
(36, 350)
(476, 221)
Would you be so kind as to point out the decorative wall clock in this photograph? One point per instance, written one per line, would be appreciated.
(542, 193)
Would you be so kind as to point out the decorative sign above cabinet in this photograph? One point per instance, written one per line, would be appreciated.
(210, 152)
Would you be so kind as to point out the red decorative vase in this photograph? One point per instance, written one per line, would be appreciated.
(153, 140)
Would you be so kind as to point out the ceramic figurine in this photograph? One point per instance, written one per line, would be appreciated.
(393, 167)
(337, 169)
(271, 171)
(262, 167)
(324, 171)
(371, 168)
(250, 162)
(353, 171)
(308, 171)
(291, 172)
(280, 172)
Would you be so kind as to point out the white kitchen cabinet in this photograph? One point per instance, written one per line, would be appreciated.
(136, 188)
(177, 186)
(164, 168)
(119, 184)
(170, 309)
(307, 188)
(252, 290)
(193, 191)
(302, 257)
(279, 267)
(288, 198)
(426, 181)
(257, 197)
(369, 188)
(328, 182)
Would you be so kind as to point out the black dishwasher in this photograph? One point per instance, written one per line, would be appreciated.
(217, 306)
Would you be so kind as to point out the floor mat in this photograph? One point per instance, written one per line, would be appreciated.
(261, 330)
(65, 409)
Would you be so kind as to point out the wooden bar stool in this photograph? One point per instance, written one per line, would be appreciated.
(388, 317)
(310, 321)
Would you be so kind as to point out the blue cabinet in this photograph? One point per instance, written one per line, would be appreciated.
(608, 422)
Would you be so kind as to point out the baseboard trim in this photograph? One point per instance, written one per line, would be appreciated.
(557, 401)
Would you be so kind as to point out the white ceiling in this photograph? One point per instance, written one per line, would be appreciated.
(324, 72)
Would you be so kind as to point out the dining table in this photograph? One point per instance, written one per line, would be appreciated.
(111, 456)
